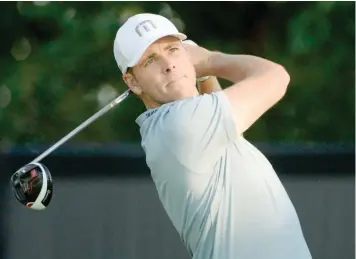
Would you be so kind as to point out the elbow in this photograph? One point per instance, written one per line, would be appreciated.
(283, 81)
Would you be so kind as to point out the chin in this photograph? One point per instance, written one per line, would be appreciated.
(181, 89)
(181, 95)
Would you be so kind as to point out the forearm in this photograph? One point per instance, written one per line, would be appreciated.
(236, 68)
(209, 86)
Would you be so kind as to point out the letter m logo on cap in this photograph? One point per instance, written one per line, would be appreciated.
(146, 25)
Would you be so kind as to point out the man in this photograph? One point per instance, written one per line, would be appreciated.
(221, 194)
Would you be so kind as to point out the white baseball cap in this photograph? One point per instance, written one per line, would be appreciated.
(137, 34)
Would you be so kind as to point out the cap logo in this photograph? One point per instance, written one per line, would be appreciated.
(146, 25)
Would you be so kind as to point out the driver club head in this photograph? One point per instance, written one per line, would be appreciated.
(33, 186)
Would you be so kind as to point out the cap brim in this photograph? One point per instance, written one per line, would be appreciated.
(140, 52)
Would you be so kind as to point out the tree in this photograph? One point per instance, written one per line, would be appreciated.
(58, 66)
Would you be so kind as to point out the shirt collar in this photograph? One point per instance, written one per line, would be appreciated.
(144, 116)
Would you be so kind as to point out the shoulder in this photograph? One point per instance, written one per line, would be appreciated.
(183, 119)
(199, 109)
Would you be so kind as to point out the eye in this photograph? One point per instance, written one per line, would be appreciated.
(173, 49)
(148, 62)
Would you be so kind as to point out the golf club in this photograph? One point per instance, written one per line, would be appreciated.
(32, 184)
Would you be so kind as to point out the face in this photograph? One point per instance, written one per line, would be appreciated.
(164, 73)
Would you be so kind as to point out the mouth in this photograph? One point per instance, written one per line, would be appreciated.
(174, 81)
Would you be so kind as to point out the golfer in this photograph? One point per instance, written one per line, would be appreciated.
(220, 192)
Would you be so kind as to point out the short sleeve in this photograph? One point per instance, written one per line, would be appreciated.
(199, 129)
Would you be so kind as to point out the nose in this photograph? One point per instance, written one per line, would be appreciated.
(168, 65)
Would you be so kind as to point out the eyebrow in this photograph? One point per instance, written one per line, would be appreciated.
(148, 57)
(155, 54)
(170, 46)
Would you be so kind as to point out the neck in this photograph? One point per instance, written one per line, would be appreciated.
(149, 103)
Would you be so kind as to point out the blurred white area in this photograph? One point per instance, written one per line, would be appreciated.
(169, 13)
(21, 49)
(5, 96)
(106, 94)
(70, 13)
(40, 3)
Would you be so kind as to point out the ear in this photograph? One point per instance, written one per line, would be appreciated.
(131, 82)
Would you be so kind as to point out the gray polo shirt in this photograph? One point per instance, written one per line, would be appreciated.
(220, 192)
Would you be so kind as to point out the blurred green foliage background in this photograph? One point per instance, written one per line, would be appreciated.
(57, 66)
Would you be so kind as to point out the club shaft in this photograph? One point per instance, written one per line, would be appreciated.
(83, 125)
